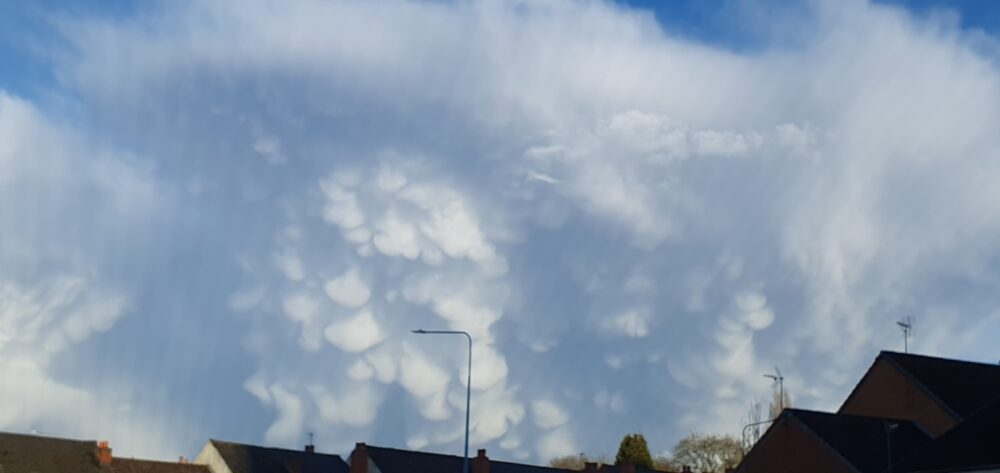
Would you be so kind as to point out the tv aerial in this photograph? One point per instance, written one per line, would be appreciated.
(777, 380)
(907, 326)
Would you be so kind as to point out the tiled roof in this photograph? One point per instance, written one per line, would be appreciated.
(242, 458)
(131, 465)
(972, 444)
(30, 453)
(862, 441)
(963, 387)
(391, 460)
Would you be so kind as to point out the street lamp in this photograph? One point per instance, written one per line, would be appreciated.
(468, 387)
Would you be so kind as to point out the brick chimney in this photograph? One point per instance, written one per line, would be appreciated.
(481, 464)
(103, 453)
(310, 448)
(686, 469)
(590, 467)
(627, 467)
(359, 458)
(183, 460)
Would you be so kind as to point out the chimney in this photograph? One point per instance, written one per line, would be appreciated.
(103, 453)
(686, 469)
(183, 460)
(590, 467)
(627, 467)
(481, 464)
(310, 448)
(359, 458)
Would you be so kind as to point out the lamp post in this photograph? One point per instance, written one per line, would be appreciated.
(468, 387)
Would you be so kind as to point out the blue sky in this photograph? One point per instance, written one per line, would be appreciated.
(222, 219)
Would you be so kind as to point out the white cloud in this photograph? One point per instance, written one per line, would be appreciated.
(356, 334)
(556, 443)
(631, 323)
(348, 289)
(547, 414)
(808, 192)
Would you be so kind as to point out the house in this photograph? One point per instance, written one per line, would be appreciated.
(372, 459)
(907, 414)
(36, 454)
(936, 393)
(132, 465)
(32, 453)
(229, 457)
(802, 440)
(973, 445)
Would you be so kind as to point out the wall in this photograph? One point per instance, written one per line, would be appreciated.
(210, 456)
(885, 392)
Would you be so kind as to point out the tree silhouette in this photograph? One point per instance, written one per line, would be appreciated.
(634, 449)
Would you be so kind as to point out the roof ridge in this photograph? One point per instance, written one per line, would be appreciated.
(823, 441)
(854, 416)
(215, 441)
(940, 358)
(49, 437)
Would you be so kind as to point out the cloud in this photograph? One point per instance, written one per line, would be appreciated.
(547, 414)
(533, 174)
(355, 334)
(348, 290)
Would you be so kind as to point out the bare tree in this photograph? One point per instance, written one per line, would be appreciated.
(576, 462)
(753, 424)
(708, 453)
(780, 400)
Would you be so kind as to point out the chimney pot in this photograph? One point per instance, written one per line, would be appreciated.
(481, 464)
(103, 453)
(310, 448)
(589, 467)
(359, 458)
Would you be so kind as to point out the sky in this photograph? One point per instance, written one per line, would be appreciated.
(223, 219)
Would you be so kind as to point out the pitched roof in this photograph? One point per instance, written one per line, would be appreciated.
(391, 460)
(33, 453)
(971, 444)
(962, 387)
(859, 440)
(131, 465)
(241, 458)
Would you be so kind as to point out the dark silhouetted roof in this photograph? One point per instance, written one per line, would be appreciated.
(860, 440)
(963, 387)
(242, 458)
(30, 453)
(973, 444)
(391, 460)
(131, 465)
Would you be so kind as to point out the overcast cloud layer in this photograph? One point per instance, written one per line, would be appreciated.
(227, 216)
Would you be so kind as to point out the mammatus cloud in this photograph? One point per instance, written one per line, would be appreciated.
(54, 295)
(631, 225)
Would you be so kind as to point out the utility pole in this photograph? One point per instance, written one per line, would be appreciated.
(468, 387)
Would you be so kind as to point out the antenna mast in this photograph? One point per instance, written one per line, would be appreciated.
(779, 381)
(907, 325)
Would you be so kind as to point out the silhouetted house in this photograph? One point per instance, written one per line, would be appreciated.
(918, 413)
(370, 459)
(801, 440)
(32, 453)
(936, 393)
(228, 457)
(131, 465)
(626, 468)
(973, 445)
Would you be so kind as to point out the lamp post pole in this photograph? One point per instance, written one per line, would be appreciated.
(468, 387)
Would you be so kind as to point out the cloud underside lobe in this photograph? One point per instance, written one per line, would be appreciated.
(632, 226)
